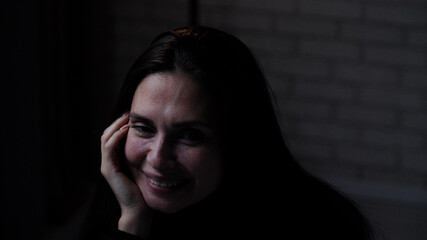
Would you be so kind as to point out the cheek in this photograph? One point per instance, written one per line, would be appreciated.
(134, 150)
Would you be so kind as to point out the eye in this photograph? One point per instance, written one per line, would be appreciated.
(143, 130)
(191, 136)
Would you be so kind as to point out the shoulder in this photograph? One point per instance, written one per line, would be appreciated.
(323, 211)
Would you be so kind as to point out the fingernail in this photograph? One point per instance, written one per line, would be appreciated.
(125, 114)
(124, 127)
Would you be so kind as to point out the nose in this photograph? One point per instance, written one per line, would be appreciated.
(161, 155)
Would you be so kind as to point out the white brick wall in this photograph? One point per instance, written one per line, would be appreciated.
(324, 91)
(350, 78)
(353, 96)
(365, 74)
(330, 8)
(396, 14)
(330, 49)
(417, 37)
(370, 33)
(304, 27)
(395, 56)
(366, 116)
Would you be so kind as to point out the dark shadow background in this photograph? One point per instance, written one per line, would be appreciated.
(54, 88)
(57, 91)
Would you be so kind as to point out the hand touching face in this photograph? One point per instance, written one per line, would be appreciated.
(172, 148)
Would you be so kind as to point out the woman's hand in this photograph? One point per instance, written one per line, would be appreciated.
(136, 215)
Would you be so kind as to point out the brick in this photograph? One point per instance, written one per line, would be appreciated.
(393, 139)
(392, 98)
(325, 91)
(302, 26)
(393, 176)
(421, 3)
(330, 8)
(415, 121)
(326, 131)
(396, 14)
(416, 80)
(369, 33)
(415, 160)
(271, 5)
(395, 56)
(365, 74)
(335, 50)
(366, 115)
(298, 66)
(305, 109)
(334, 172)
(418, 38)
(366, 156)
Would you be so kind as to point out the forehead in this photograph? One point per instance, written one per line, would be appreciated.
(169, 94)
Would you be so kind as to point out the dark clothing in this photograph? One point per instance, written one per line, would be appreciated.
(120, 235)
(313, 211)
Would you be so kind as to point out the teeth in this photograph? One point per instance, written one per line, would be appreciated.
(163, 184)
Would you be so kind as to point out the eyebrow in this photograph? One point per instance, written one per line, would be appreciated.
(183, 124)
(141, 119)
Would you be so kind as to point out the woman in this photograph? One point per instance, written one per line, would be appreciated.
(199, 153)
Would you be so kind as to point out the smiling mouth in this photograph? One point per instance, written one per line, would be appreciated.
(166, 184)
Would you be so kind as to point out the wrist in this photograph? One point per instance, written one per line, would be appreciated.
(138, 224)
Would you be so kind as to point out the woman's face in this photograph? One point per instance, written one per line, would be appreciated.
(172, 148)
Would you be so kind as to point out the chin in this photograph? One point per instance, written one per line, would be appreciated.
(165, 207)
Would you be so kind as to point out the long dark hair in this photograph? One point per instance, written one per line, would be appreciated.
(261, 178)
(225, 66)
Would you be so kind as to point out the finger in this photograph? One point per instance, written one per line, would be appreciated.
(109, 151)
(115, 138)
(108, 132)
